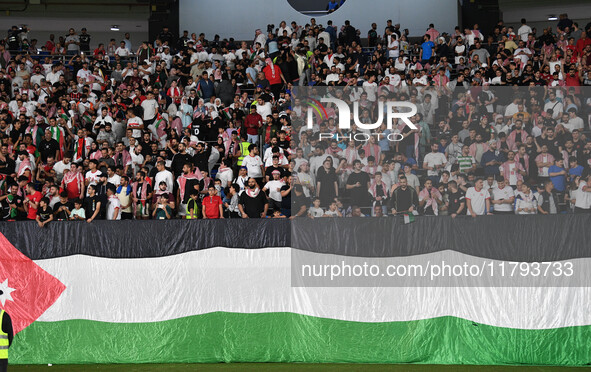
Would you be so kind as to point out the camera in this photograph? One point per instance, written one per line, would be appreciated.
(270, 28)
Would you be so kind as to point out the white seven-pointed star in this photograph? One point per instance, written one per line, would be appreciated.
(5, 291)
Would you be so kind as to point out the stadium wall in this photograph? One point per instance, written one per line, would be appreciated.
(230, 291)
(246, 16)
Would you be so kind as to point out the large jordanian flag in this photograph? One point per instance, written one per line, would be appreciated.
(221, 291)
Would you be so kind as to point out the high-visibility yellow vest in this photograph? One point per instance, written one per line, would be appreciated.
(243, 152)
(3, 339)
(195, 210)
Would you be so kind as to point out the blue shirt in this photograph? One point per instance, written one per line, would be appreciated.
(412, 162)
(576, 171)
(488, 157)
(427, 49)
(384, 143)
(207, 88)
(558, 181)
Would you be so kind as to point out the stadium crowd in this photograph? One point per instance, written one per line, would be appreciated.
(194, 128)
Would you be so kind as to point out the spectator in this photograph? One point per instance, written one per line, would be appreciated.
(252, 203)
(526, 202)
(456, 204)
(512, 171)
(162, 210)
(358, 184)
(78, 213)
(548, 200)
(273, 188)
(430, 199)
(113, 203)
(31, 203)
(142, 194)
(434, 162)
(212, 204)
(92, 205)
(44, 212)
(503, 198)
(404, 199)
(477, 199)
(583, 198)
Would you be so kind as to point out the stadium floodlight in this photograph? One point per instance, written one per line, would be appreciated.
(114, 28)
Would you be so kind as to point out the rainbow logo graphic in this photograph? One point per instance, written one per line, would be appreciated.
(317, 106)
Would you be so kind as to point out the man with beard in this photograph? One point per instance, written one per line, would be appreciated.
(201, 157)
(179, 159)
(253, 203)
(404, 199)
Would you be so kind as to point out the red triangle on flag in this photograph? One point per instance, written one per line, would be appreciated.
(27, 289)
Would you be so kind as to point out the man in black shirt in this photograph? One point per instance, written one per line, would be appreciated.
(404, 199)
(92, 205)
(180, 159)
(7, 164)
(299, 202)
(201, 157)
(457, 203)
(358, 185)
(84, 41)
(101, 192)
(286, 197)
(253, 203)
(48, 147)
(62, 209)
(275, 167)
(11, 205)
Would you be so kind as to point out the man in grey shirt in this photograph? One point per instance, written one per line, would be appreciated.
(482, 53)
(73, 42)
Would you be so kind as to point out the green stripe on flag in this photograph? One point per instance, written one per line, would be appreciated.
(288, 337)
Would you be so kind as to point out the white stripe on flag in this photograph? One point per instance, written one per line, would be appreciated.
(259, 281)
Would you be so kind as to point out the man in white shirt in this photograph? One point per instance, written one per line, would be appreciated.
(274, 189)
(137, 159)
(135, 124)
(54, 75)
(62, 165)
(333, 76)
(254, 164)
(113, 204)
(503, 198)
(555, 105)
(583, 202)
(92, 176)
(574, 122)
(371, 88)
(102, 120)
(512, 108)
(393, 46)
(122, 51)
(524, 30)
(164, 175)
(523, 53)
(477, 199)
(150, 106)
(112, 177)
(434, 162)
